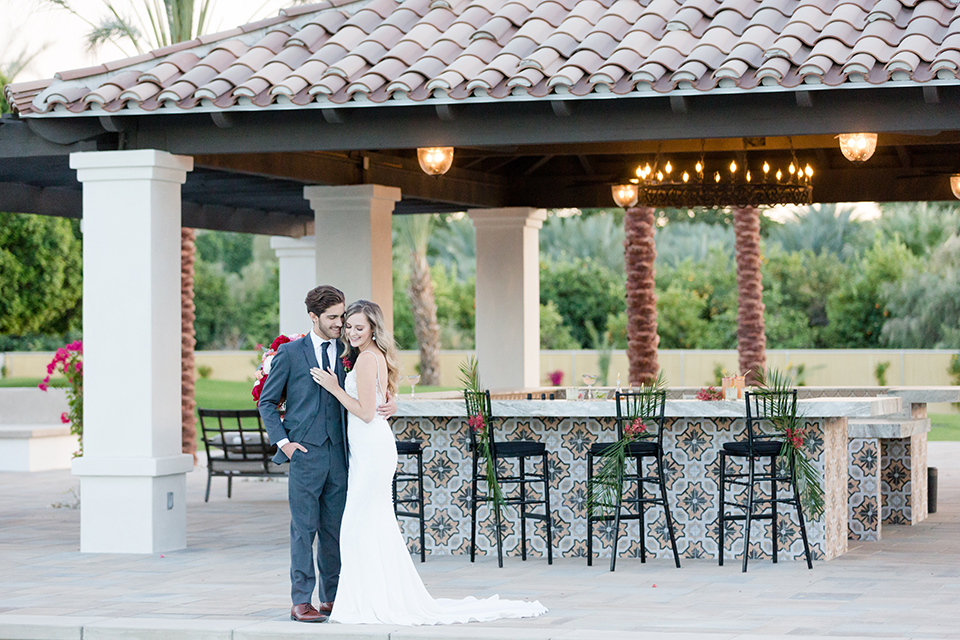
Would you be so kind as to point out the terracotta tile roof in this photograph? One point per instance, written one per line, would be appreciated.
(379, 51)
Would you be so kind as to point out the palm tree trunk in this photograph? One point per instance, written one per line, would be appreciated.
(188, 251)
(751, 336)
(424, 307)
(639, 256)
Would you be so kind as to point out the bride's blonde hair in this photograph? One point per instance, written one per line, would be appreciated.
(381, 337)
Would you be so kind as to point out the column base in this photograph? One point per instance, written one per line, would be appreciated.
(133, 505)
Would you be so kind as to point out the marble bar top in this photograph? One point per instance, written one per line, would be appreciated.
(810, 408)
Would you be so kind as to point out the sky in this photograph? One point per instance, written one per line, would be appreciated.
(33, 25)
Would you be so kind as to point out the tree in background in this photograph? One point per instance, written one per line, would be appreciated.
(751, 333)
(41, 281)
(640, 258)
(413, 235)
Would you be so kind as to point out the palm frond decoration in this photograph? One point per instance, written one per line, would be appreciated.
(785, 420)
(606, 488)
(482, 426)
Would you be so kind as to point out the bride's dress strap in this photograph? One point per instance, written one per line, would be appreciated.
(379, 388)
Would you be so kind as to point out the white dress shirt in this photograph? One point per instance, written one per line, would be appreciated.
(318, 343)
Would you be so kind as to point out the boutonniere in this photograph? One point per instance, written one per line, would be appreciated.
(347, 364)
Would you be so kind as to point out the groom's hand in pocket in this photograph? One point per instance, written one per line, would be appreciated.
(290, 447)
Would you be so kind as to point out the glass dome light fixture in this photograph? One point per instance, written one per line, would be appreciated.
(955, 185)
(435, 161)
(858, 147)
(625, 195)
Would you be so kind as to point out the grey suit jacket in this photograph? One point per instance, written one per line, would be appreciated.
(290, 372)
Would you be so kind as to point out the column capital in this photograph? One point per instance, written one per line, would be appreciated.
(508, 218)
(139, 164)
(349, 196)
(285, 246)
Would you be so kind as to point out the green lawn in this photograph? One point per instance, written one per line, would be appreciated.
(944, 426)
(30, 382)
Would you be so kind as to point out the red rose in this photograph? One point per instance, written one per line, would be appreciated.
(257, 389)
(279, 341)
(347, 363)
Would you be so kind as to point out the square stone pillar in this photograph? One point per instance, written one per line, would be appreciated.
(508, 295)
(132, 473)
(355, 242)
(298, 275)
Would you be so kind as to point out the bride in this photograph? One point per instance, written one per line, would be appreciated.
(378, 581)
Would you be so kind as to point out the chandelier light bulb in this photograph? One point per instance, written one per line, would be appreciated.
(858, 147)
(686, 176)
(766, 167)
(779, 174)
(668, 168)
(808, 171)
(699, 167)
(733, 167)
(435, 161)
(792, 169)
(748, 175)
(716, 176)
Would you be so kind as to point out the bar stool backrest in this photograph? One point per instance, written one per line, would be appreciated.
(478, 403)
(761, 407)
(648, 404)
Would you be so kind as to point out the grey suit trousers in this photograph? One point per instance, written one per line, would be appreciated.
(317, 491)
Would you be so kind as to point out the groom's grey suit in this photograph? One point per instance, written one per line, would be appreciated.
(318, 477)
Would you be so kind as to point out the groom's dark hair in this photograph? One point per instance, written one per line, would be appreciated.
(322, 298)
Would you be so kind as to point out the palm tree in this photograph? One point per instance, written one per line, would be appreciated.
(751, 336)
(414, 236)
(639, 257)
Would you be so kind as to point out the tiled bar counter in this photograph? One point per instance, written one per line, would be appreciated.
(694, 433)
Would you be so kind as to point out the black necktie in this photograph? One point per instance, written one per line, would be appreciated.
(324, 356)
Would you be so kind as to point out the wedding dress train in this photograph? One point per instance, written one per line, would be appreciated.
(379, 583)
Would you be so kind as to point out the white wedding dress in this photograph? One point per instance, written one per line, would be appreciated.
(378, 581)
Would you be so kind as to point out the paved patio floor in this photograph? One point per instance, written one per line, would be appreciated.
(232, 581)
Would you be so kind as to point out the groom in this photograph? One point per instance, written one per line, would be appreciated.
(312, 436)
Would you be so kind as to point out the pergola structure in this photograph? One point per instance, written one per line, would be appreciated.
(305, 127)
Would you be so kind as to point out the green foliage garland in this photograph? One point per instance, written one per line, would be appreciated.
(786, 422)
(606, 491)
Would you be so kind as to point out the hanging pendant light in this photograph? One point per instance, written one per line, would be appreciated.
(625, 195)
(858, 147)
(435, 161)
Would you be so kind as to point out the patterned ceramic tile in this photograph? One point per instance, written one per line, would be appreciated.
(863, 489)
(691, 469)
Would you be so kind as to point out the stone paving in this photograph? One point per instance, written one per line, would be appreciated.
(232, 582)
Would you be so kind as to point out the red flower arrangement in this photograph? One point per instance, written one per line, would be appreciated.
(347, 364)
(477, 424)
(266, 360)
(556, 377)
(710, 393)
(634, 429)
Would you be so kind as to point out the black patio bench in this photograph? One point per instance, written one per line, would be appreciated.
(237, 446)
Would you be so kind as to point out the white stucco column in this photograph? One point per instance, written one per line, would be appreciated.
(508, 295)
(132, 473)
(354, 241)
(298, 275)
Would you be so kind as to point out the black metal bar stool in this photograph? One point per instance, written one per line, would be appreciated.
(761, 406)
(629, 404)
(478, 403)
(411, 448)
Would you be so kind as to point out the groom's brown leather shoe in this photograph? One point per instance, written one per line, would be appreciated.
(306, 613)
(326, 607)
